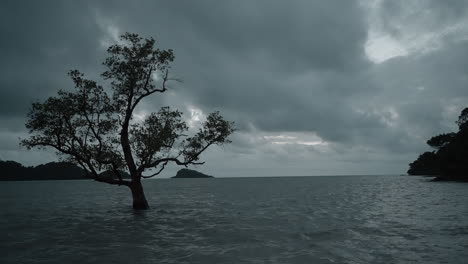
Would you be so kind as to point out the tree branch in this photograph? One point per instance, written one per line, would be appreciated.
(113, 181)
(148, 92)
(157, 173)
(82, 161)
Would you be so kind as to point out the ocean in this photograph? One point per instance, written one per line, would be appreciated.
(342, 219)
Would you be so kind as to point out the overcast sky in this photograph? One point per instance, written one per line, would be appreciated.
(326, 87)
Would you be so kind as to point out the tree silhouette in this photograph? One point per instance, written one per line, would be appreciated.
(441, 140)
(449, 161)
(462, 121)
(426, 164)
(94, 127)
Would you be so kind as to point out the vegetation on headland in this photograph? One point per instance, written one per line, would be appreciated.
(15, 171)
(449, 160)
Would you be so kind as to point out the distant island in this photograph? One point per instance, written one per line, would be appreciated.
(187, 173)
(14, 171)
(449, 160)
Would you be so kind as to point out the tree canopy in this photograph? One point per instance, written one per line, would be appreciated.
(449, 160)
(94, 126)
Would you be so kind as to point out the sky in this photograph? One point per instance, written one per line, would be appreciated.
(315, 87)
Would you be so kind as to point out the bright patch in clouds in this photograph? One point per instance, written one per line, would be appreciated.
(415, 32)
(196, 116)
(380, 48)
(111, 31)
(140, 116)
(387, 115)
(296, 139)
(155, 76)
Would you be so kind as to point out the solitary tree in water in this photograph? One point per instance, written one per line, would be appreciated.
(95, 128)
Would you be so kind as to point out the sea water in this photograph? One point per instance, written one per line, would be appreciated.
(348, 219)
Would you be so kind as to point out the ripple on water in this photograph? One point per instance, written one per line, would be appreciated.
(249, 220)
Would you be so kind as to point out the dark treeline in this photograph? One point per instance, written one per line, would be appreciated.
(449, 160)
(14, 171)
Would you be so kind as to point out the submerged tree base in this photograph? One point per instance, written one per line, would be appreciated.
(140, 205)
(139, 199)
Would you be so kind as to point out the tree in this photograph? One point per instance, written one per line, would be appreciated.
(462, 121)
(441, 140)
(427, 164)
(94, 127)
(450, 159)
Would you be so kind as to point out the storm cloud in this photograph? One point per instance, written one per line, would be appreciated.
(315, 87)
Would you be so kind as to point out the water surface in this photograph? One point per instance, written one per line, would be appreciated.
(359, 219)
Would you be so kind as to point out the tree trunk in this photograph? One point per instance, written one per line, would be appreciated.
(139, 199)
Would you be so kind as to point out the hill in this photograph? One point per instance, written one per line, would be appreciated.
(14, 171)
(186, 173)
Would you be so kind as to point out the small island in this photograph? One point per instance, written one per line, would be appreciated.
(187, 173)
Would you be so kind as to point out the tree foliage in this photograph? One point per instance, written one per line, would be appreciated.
(426, 164)
(94, 126)
(441, 140)
(462, 121)
(450, 159)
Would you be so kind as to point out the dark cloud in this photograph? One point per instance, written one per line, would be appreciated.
(245, 53)
(397, 15)
(40, 43)
(292, 68)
